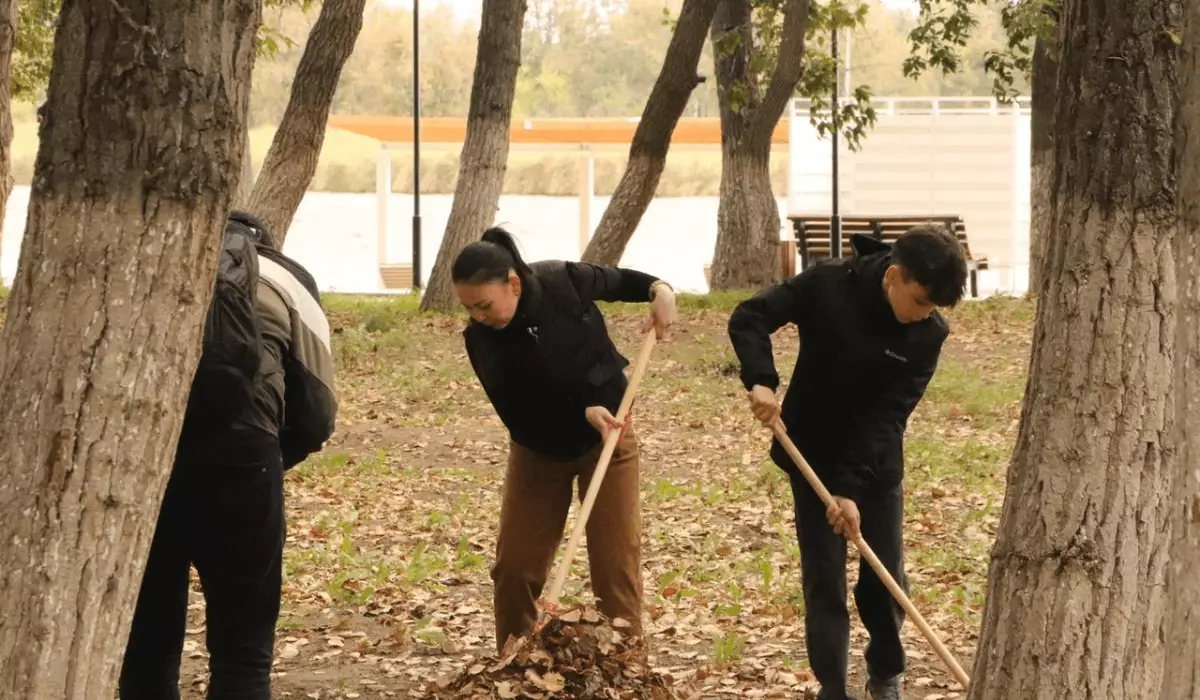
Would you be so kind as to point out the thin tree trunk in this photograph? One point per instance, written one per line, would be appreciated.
(747, 248)
(1076, 597)
(1182, 673)
(8, 38)
(648, 152)
(137, 161)
(1041, 155)
(484, 156)
(291, 162)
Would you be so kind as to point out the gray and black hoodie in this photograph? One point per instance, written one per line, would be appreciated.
(294, 406)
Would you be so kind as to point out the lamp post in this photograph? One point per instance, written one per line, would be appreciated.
(416, 219)
(835, 219)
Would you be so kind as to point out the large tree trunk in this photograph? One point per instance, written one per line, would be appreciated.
(291, 162)
(1076, 601)
(136, 165)
(484, 155)
(648, 152)
(1182, 673)
(747, 249)
(1041, 155)
(8, 38)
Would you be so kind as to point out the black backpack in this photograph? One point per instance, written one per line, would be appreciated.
(227, 375)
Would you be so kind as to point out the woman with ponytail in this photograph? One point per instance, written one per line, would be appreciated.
(540, 347)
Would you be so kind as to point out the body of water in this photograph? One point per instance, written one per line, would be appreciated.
(335, 235)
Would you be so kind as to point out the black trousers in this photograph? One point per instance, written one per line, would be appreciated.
(227, 519)
(823, 571)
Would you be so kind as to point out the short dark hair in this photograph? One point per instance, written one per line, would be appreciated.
(930, 255)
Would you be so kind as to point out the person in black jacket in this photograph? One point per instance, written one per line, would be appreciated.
(870, 337)
(222, 510)
(539, 346)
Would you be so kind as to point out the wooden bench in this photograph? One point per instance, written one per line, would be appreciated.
(396, 275)
(787, 262)
(813, 235)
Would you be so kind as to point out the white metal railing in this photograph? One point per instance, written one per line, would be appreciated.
(928, 105)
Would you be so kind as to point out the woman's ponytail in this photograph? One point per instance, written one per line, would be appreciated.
(489, 259)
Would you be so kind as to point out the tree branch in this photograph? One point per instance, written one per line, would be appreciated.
(788, 70)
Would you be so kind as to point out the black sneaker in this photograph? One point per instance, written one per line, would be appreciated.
(884, 690)
(829, 696)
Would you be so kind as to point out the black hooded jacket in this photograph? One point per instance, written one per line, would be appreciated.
(555, 358)
(860, 372)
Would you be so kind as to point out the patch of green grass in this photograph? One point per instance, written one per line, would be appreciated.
(664, 490)
(720, 301)
(993, 311)
(465, 559)
(434, 521)
(374, 464)
(728, 649)
(974, 466)
(713, 301)
(942, 560)
(321, 464)
(964, 390)
(704, 357)
(423, 564)
(386, 312)
(288, 623)
(766, 572)
(429, 383)
(773, 479)
(359, 306)
(356, 585)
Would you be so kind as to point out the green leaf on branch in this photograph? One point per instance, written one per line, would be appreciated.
(270, 40)
(944, 27)
(855, 117)
(33, 50)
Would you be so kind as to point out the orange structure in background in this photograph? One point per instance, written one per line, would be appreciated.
(580, 135)
(690, 131)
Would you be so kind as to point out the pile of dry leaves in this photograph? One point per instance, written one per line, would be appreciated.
(579, 654)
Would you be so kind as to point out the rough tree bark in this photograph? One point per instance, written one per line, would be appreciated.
(241, 197)
(137, 161)
(648, 152)
(747, 250)
(1076, 597)
(484, 157)
(1182, 673)
(1041, 155)
(8, 38)
(291, 161)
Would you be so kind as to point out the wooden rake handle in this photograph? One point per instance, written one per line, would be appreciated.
(876, 565)
(610, 446)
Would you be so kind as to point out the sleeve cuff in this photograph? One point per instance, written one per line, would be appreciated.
(844, 489)
(768, 380)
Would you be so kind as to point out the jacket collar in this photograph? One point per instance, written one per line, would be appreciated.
(528, 308)
(871, 260)
(530, 304)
